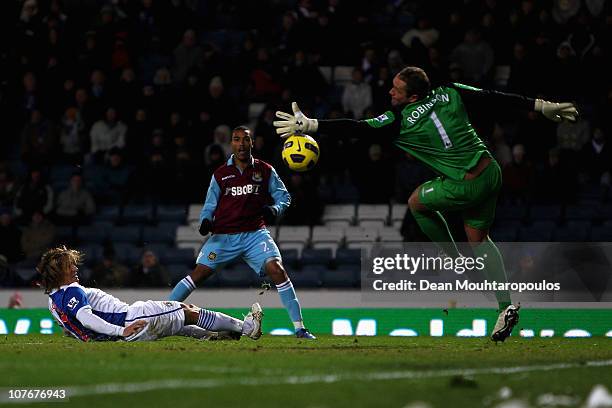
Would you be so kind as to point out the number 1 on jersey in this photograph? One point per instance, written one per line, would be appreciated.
(441, 131)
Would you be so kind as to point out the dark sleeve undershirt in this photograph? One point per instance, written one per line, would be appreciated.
(493, 98)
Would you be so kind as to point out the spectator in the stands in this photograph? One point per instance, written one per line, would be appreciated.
(357, 95)
(474, 56)
(305, 206)
(75, 205)
(149, 273)
(597, 158)
(37, 236)
(31, 98)
(72, 137)
(110, 273)
(556, 182)
(10, 237)
(218, 106)
(39, 140)
(33, 195)
(221, 138)
(518, 176)
(116, 176)
(8, 189)
(187, 56)
(85, 108)
(375, 167)
(107, 134)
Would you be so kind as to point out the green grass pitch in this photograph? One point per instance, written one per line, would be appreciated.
(284, 371)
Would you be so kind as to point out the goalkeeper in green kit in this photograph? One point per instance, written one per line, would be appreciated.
(432, 126)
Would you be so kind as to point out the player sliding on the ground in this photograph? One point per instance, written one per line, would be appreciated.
(92, 314)
(243, 195)
(432, 126)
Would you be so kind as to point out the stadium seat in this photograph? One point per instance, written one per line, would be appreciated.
(339, 212)
(92, 253)
(185, 233)
(157, 248)
(25, 274)
(91, 234)
(573, 231)
(177, 256)
(297, 246)
(360, 234)
(366, 246)
(539, 231)
(371, 224)
(107, 214)
(322, 256)
(128, 253)
(195, 247)
(582, 212)
(130, 233)
(545, 212)
(345, 256)
(344, 277)
(511, 212)
(332, 246)
(390, 234)
(601, 234)
(273, 231)
(373, 212)
(290, 257)
(346, 193)
(308, 277)
(239, 276)
(338, 224)
(327, 234)
(171, 213)
(299, 234)
(177, 272)
(64, 234)
(505, 230)
(193, 213)
(398, 212)
(162, 233)
(137, 214)
(61, 173)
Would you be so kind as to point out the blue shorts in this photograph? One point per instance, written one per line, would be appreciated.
(255, 247)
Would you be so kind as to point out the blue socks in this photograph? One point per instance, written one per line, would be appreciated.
(287, 295)
(182, 289)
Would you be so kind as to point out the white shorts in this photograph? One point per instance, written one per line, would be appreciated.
(164, 318)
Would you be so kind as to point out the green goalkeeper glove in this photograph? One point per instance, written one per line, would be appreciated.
(297, 123)
(556, 111)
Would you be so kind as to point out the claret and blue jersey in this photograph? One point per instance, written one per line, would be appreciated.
(235, 198)
(66, 302)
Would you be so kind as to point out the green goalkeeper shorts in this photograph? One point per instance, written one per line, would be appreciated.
(476, 198)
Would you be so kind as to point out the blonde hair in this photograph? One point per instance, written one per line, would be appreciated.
(53, 265)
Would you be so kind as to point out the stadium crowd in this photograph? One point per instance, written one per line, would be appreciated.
(130, 102)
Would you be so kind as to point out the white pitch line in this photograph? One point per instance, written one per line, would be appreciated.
(179, 383)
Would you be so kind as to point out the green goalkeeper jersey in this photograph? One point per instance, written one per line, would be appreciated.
(436, 130)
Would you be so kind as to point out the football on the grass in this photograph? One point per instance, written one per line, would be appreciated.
(300, 152)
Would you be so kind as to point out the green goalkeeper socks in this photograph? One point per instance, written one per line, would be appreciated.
(434, 226)
(494, 269)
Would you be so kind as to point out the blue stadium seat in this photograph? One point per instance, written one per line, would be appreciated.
(131, 254)
(345, 276)
(545, 212)
(505, 230)
(107, 213)
(539, 231)
(64, 234)
(92, 253)
(91, 234)
(581, 212)
(177, 256)
(162, 233)
(158, 248)
(290, 257)
(125, 234)
(177, 272)
(601, 234)
(573, 231)
(239, 276)
(171, 213)
(137, 214)
(348, 256)
(61, 173)
(308, 277)
(317, 256)
(511, 212)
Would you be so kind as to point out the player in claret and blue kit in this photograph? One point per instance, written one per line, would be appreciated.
(244, 194)
(92, 314)
(432, 125)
